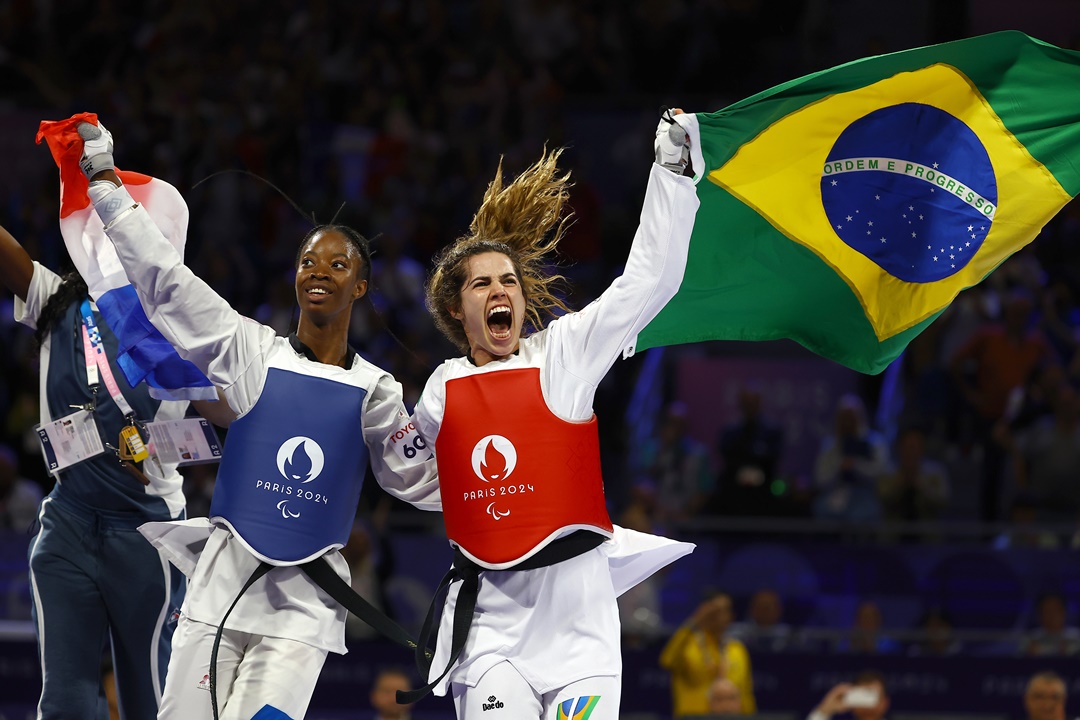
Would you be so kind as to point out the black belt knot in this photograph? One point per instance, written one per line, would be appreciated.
(577, 543)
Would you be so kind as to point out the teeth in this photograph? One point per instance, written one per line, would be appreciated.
(498, 308)
(317, 291)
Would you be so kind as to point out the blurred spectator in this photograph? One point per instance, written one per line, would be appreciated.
(724, 698)
(676, 466)
(849, 466)
(763, 629)
(750, 451)
(384, 695)
(926, 397)
(915, 489)
(1024, 531)
(639, 607)
(865, 637)
(19, 497)
(1053, 637)
(399, 290)
(1044, 697)
(865, 699)
(937, 636)
(1034, 401)
(997, 359)
(370, 566)
(1048, 456)
(700, 652)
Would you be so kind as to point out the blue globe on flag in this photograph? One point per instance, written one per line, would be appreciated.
(911, 188)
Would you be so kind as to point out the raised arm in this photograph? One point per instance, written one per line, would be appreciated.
(585, 344)
(16, 267)
(199, 323)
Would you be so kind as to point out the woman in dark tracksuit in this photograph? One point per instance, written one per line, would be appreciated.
(95, 580)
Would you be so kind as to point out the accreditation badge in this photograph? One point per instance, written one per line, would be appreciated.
(131, 444)
(190, 441)
(69, 440)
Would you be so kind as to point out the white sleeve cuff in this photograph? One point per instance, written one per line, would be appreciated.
(110, 201)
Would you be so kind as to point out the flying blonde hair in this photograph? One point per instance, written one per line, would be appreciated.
(525, 221)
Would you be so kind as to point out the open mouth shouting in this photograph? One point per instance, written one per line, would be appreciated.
(500, 319)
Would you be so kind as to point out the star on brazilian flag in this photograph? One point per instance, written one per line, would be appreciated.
(848, 208)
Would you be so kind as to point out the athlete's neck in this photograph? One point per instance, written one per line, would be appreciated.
(329, 343)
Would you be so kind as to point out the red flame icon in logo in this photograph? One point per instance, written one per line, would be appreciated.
(493, 458)
(494, 464)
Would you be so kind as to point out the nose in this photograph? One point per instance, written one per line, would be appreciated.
(498, 289)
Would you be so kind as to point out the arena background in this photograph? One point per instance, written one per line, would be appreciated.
(401, 111)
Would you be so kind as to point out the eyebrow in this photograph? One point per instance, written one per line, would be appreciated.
(488, 277)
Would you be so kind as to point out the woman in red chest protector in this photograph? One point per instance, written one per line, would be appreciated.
(516, 443)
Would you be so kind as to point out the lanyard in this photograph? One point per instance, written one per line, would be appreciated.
(94, 355)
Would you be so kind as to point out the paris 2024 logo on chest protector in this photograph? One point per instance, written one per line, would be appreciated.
(493, 461)
(299, 460)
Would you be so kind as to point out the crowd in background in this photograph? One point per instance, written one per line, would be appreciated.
(978, 421)
(401, 111)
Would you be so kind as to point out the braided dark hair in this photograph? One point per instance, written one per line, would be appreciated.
(72, 289)
(358, 241)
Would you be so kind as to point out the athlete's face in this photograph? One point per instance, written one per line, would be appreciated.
(492, 307)
(328, 275)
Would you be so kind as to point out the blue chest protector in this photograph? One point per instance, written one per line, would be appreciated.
(293, 467)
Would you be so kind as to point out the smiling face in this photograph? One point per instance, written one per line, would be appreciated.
(492, 307)
(328, 276)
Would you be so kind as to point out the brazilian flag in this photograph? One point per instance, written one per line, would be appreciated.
(847, 209)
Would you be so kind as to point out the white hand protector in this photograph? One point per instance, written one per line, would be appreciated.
(672, 144)
(97, 152)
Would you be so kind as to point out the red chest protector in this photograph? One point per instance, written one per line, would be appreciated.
(512, 474)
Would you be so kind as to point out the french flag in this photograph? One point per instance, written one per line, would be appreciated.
(144, 353)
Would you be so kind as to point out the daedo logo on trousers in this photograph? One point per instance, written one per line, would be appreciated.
(493, 460)
(299, 461)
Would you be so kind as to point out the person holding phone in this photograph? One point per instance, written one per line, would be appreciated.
(865, 698)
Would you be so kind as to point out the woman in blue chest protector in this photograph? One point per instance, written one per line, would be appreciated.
(532, 629)
(292, 468)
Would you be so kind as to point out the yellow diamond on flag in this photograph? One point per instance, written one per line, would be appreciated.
(911, 189)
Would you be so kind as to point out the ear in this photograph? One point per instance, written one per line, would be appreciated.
(455, 312)
(360, 289)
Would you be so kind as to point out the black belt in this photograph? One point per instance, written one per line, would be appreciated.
(577, 543)
(323, 575)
